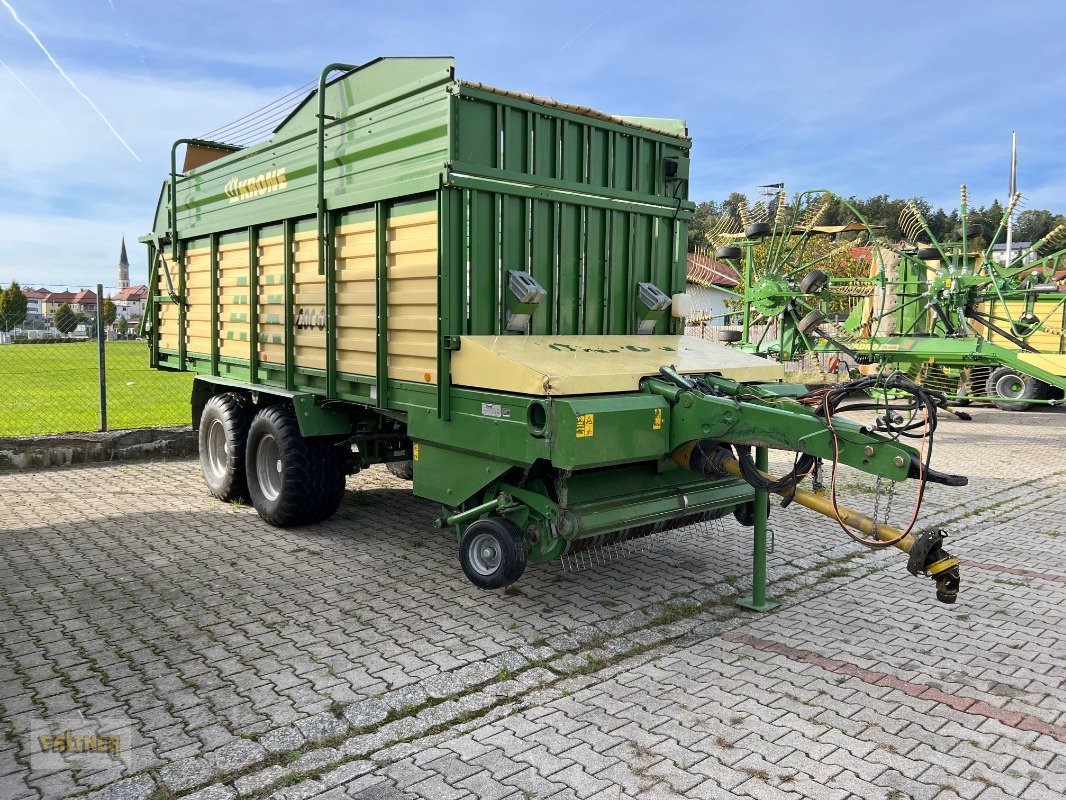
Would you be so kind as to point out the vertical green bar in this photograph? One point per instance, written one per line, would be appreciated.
(748, 266)
(290, 337)
(445, 236)
(183, 346)
(381, 285)
(253, 304)
(758, 601)
(151, 311)
(213, 324)
(331, 303)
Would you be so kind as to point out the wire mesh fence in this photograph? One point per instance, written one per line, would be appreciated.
(59, 376)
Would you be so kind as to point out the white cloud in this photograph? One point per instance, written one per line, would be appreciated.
(69, 191)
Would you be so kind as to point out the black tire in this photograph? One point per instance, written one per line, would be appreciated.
(329, 470)
(814, 282)
(405, 470)
(928, 254)
(757, 230)
(728, 253)
(1012, 391)
(281, 467)
(223, 435)
(493, 553)
(745, 514)
(810, 320)
(730, 336)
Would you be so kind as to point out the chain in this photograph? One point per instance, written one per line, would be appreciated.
(891, 494)
(877, 499)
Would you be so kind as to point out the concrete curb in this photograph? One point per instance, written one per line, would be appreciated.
(37, 452)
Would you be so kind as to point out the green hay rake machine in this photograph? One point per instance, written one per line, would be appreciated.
(948, 314)
(484, 289)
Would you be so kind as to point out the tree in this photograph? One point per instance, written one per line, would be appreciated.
(12, 307)
(109, 311)
(122, 325)
(1034, 224)
(66, 320)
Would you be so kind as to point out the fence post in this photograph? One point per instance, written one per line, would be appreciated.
(101, 336)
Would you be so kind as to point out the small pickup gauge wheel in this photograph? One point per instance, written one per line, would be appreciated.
(745, 514)
(223, 435)
(1012, 391)
(757, 230)
(729, 336)
(814, 282)
(927, 254)
(282, 469)
(810, 321)
(404, 470)
(728, 253)
(493, 553)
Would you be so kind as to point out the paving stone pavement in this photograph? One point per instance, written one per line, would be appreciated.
(352, 659)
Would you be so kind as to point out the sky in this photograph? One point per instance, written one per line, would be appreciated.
(860, 97)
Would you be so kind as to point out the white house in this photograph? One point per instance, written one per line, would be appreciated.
(710, 284)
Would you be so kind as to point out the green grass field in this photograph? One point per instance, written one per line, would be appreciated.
(55, 388)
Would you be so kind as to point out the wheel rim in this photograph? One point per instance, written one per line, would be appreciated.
(217, 450)
(268, 467)
(486, 554)
(1010, 387)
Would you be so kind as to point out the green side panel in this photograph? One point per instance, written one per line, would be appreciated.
(911, 315)
(588, 261)
(486, 422)
(583, 204)
(450, 476)
(602, 430)
(389, 138)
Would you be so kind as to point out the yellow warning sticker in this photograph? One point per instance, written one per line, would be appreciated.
(657, 423)
(585, 423)
(415, 452)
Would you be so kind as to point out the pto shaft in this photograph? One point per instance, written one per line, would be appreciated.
(926, 554)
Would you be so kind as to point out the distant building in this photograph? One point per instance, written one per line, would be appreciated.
(999, 252)
(53, 300)
(710, 284)
(34, 302)
(123, 267)
(82, 301)
(85, 302)
(130, 302)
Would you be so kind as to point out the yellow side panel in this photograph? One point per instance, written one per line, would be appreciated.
(270, 296)
(169, 335)
(1048, 340)
(309, 299)
(233, 307)
(198, 331)
(356, 306)
(412, 297)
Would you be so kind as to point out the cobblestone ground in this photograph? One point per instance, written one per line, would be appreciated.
(353, 659)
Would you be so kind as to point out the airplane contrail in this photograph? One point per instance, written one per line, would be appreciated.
(29, 91)
(67, 78)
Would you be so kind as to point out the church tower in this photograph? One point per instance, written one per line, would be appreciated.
(123, 267)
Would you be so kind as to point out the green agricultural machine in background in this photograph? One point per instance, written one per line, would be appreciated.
(947, 314)
(485, 287)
